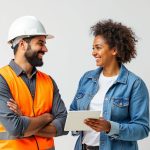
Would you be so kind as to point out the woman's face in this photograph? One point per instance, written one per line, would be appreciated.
(103, 54)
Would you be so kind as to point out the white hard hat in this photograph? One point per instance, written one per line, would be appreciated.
(26, 26)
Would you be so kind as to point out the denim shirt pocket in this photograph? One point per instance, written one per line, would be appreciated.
(79, 95)
(121, 102)
(120, 108)
(82, 100)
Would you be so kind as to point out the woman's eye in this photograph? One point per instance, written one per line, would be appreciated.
(98, 48)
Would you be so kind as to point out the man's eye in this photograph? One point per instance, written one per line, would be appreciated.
(41, 44)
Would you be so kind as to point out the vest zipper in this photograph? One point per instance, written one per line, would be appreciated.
(36, 143)
(34, 135)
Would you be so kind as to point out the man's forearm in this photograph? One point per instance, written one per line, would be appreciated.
(37, 123)
(47, 131)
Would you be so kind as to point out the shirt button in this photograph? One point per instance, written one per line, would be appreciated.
(106, 99)
(120, 104)
(105, 112)
(102, 143)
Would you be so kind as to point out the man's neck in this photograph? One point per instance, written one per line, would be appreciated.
(25, 66)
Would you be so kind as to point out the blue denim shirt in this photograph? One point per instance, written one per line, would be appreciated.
(126, 106)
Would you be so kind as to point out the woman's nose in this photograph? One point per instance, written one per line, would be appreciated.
(94, 53)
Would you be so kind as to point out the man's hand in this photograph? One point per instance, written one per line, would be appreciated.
(14, 107)
(98, 125)
(39, 125)
(48, 131)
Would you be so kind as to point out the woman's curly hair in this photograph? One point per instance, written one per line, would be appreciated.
(117, 36)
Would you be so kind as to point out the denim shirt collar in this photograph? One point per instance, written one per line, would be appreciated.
(122, 77)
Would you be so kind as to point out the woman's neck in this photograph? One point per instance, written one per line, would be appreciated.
(111, 70)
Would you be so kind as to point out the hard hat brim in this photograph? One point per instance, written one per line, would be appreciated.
(48, 36)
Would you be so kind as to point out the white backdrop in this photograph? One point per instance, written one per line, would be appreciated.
(69, 53)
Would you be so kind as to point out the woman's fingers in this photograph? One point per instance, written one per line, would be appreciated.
(97, 124)
(95, 127)
(94, 122)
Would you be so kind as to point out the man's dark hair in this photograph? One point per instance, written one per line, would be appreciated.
(27, 39)
(117, 36)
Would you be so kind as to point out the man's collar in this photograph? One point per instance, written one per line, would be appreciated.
(18, 70)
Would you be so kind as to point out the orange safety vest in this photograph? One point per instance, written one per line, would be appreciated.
(42, 103)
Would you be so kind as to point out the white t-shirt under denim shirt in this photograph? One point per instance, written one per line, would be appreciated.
(92, 137)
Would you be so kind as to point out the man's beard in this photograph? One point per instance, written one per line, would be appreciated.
(32, 57)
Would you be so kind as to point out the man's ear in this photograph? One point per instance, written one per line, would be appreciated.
(22, 44)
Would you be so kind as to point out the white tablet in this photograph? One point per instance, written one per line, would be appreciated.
(75, 120)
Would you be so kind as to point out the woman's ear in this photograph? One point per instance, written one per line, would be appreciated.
(114, 51)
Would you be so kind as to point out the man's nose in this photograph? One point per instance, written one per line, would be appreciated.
(44, 48)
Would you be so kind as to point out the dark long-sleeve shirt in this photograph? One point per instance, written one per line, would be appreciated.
(16, 125)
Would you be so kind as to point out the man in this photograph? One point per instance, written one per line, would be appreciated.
(42, 113)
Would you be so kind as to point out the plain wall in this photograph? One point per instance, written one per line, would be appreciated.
(69, 53)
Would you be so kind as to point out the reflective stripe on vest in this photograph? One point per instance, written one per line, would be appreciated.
(42, 103)
(6, 136)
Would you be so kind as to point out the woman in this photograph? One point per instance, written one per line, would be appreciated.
(120, 95)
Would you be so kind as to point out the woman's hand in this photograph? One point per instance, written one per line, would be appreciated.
(14, 107)
(98, 125)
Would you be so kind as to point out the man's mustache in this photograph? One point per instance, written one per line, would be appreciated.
(40, 52)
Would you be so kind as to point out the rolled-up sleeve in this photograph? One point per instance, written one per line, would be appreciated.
(59, 112)
(138, 127)
(14, 124)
